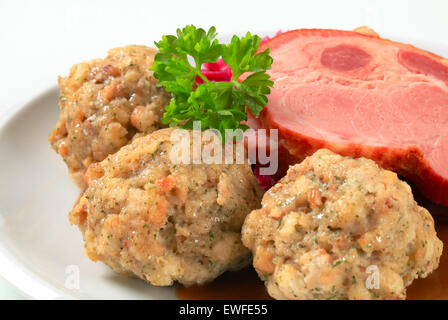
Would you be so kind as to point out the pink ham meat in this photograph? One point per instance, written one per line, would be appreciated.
(360, 95)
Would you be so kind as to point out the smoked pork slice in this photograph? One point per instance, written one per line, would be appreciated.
(362, 96)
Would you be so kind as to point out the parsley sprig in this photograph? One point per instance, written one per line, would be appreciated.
(218, 105)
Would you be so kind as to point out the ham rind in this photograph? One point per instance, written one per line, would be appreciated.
(362, 96)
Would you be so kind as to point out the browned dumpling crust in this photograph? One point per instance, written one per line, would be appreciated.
(104, 103)
(163, 222)
(341, 228)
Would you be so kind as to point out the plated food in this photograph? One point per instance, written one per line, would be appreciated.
(143, 215)
(359, 95)
(104, 103)
(335, 226)
(329, 220)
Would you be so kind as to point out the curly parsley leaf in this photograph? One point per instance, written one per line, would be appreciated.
(218, 105)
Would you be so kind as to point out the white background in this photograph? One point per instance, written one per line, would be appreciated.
(40, 40)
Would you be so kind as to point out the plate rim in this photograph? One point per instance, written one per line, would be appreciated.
(23, 279)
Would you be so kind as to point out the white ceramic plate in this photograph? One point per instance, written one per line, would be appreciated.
(38, 248)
